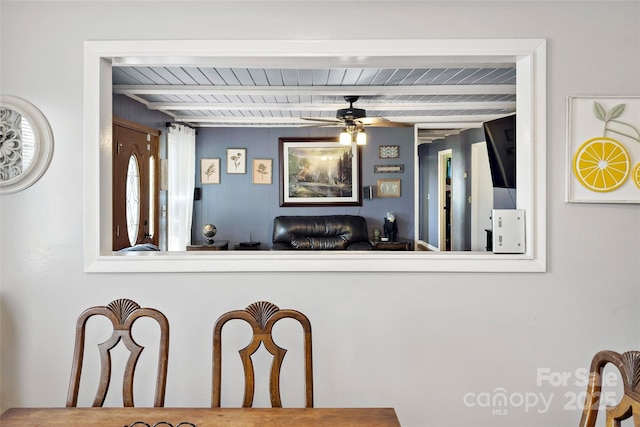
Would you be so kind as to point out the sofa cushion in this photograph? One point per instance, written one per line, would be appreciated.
(324, 232)
(310, 242)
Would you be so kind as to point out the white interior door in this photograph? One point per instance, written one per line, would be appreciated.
(481, 196)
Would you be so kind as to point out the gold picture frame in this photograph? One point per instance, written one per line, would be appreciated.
(388, 188)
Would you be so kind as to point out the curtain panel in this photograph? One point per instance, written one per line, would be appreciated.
(181, 147)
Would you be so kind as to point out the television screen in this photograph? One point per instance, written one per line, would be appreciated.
(501, 147)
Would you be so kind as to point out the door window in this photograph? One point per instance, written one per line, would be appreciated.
(133, 199)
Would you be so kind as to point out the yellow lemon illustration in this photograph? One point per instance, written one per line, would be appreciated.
(601, 164)
(636, 175)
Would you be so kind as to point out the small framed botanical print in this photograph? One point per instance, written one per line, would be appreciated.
(210, 171)
(236, 160)
(262, 171)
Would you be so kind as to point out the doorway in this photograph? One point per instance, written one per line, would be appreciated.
(135, 184)
(445, 191)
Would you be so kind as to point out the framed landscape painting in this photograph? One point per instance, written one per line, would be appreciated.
(319, 172)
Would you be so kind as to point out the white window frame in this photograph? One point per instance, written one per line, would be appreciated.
(529, 55)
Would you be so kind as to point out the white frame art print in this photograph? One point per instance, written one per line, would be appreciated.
(603, 149)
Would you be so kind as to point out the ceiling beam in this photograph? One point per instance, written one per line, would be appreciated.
(460, 121)
(182, 106)
(196, 90)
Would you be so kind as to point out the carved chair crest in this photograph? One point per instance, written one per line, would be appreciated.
(262, 316)
(628, 364)
(122, 313)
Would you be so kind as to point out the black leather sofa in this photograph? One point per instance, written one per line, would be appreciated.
(329, 232)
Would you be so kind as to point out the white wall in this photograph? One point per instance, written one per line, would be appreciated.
(417, 342)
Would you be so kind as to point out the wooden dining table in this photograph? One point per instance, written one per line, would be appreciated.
(200, 417)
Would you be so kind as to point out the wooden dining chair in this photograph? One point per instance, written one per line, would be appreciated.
(122, 313)
(629, 366)
(262, 316)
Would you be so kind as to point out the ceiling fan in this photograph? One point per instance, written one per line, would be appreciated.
(356, 117)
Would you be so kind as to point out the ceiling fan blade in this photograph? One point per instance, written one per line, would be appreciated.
(320, 125)
(392, 125)
(314, 119)
(382, 122)
(372, 120)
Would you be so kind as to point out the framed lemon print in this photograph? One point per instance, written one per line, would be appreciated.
(603, 149)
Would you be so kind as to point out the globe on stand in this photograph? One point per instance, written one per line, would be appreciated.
(208, 231)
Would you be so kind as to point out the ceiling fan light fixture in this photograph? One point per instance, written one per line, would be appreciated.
(345, 138)
(361, 137)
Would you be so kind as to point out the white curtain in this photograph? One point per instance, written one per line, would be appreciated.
(181, 154)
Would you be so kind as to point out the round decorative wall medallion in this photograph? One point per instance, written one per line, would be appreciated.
(26, 144)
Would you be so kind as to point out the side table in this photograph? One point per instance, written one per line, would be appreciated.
(248, 246)
(403, 245)
(218, 245)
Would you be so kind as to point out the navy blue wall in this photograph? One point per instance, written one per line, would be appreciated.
(127, 108)
(240, 209)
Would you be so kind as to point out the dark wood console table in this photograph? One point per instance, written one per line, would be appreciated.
(248, 246)
(218, 245)
(401, 245)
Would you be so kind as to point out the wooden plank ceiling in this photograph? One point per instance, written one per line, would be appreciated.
(204, 96)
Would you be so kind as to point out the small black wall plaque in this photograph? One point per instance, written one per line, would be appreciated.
(388, 168)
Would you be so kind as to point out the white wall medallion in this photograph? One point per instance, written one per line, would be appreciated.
(26, 144)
